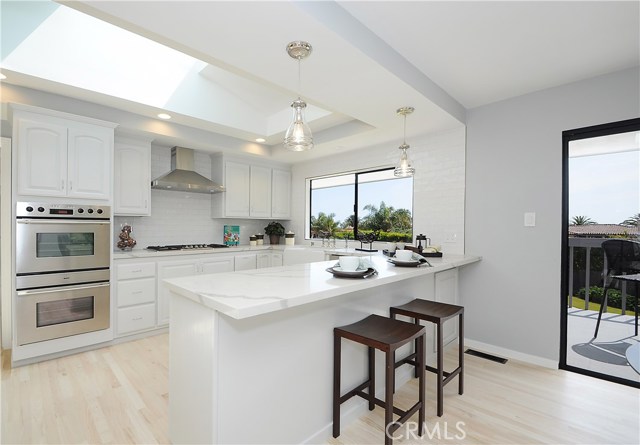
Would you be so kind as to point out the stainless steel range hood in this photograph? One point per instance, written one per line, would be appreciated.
(182, 178)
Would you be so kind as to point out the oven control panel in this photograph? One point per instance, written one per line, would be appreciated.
(54, 211)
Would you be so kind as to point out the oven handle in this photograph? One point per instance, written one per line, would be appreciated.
(60, 288)
(62, 221)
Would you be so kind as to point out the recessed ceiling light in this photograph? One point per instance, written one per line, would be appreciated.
(164, 116)
(2, 76)
(261, 140)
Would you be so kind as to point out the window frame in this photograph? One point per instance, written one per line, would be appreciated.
(356, 183)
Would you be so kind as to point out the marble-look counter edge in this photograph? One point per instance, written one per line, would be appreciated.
(247, 294)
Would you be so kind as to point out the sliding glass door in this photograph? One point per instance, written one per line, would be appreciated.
(601, 202)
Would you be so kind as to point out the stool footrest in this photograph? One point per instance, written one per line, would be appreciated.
(404, 415)
(357, 391)
(409, 359)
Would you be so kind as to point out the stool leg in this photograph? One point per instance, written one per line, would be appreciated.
(417, 367)
(336, 384)
(390, 370)
(461, 353)
(421, 385)
(440, 368)
(372, 378)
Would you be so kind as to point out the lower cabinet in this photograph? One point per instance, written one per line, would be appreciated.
(246, 261)
(135, 297)
(182, 268)
(276, 259)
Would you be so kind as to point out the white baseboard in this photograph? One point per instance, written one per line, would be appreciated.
(511, 354)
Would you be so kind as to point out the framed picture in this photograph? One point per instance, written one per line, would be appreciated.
(232, 235)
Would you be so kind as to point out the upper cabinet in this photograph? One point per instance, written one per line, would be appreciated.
(62, 155)
(280, 194)
(252, 191)
(132, 177)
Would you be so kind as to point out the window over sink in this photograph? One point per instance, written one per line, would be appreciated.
(359, 203)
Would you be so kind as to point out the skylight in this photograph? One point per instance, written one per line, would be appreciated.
(79, 50)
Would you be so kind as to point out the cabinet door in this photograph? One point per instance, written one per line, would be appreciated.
(276, 259)
(237, 180)
(260, 194)
(446, 291)
(263, 260)
(42, 157)
(132, 178)
(171, 269)
(280, 194)
(90, 149)
(245, 262)
(217, 264)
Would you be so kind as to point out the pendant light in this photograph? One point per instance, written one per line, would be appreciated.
(404, 168)
(298, 136)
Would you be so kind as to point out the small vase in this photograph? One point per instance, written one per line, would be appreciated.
(274, 239)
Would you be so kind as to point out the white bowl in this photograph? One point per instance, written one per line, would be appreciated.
(404, 255)
(349, 263)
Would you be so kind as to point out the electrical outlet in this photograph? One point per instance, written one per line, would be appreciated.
(450, 237)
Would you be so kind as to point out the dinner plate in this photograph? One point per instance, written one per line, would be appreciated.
(410, 263)
(337, 272)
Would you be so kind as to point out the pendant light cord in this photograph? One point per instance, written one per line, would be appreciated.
(299, 77)
(404, 131)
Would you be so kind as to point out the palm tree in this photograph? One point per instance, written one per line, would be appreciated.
(634, 221)
(378, 218)
(582, 221)
(323, 224)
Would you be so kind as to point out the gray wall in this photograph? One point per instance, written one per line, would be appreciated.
(514, 165)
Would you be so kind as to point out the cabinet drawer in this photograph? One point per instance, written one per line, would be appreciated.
(136, 270)
(136, 318)
(136, 292)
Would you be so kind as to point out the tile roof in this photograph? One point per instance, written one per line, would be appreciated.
(602, 229)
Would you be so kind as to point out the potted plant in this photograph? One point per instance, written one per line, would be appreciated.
(275, 230)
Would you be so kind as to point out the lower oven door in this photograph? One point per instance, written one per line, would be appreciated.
(45, 314)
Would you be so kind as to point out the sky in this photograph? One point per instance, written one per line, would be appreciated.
(339, 200)
(605, 188)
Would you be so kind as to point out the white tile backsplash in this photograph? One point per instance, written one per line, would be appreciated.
(180, 217)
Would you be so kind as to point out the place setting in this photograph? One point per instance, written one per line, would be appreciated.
(352, 267)
(408, 258)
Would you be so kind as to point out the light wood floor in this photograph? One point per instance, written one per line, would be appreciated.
(119, 395)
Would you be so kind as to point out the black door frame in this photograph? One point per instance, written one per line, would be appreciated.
(568, 136)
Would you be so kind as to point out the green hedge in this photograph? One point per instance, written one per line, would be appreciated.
(382, 236)
(614, 296)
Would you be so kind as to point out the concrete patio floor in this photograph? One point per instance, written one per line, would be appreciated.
(605, 354)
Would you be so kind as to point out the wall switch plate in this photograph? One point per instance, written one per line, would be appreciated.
(530, 219)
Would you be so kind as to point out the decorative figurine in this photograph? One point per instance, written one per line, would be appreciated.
(126, 242)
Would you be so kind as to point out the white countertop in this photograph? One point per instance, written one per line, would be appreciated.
(249, 293)
(144, 253)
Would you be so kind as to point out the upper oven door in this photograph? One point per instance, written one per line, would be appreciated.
(53, 245)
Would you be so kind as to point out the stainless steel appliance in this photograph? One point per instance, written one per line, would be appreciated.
(62, 270)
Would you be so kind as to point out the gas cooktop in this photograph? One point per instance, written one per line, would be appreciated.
(187, 247)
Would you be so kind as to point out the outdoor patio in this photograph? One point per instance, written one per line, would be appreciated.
(605, 354)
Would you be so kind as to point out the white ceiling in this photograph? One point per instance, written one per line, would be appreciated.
(369, 58)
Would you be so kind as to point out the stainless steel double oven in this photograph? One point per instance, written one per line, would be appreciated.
(62, 270)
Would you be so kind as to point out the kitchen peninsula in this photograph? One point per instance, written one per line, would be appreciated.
(251, 351)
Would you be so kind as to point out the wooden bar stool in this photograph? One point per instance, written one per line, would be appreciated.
(436, 313)
(387, 335)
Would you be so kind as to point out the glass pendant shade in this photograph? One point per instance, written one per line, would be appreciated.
(404, 168)
(298, 136)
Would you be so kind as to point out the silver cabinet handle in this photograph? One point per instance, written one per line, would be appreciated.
(60, 288)
(60, 221)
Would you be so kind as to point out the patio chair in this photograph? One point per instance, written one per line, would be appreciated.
(623, 258)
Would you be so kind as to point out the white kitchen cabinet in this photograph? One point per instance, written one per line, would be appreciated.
(135, 297)
(235, 200)
(263, 260)
(132, 177)
(59, 156)
(280, 194)
(245, 261)
(252, 191)
(260, 192)
(446, 291)
(214, 263)
(276, 259)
